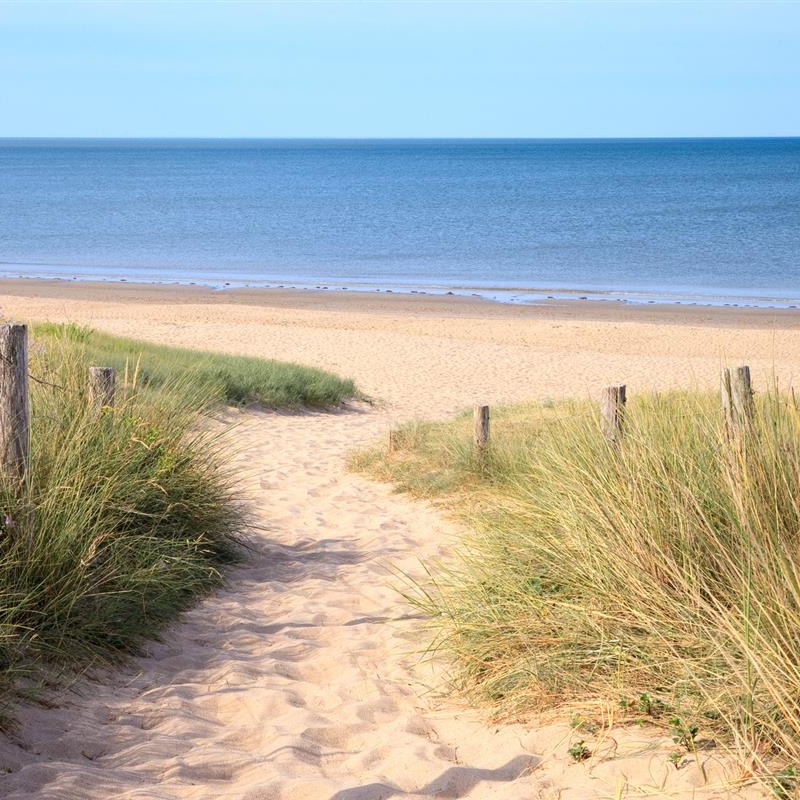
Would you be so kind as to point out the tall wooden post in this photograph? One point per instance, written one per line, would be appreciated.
(14, 402)
(612, 413)
(480, 422)
(737, 402)
(101, 386)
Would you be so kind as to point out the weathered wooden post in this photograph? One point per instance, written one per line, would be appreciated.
(14, 402)
(101, 386)
(737, 402)
(612, 413)
(480, 426)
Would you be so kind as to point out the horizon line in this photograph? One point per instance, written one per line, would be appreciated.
(398, 138)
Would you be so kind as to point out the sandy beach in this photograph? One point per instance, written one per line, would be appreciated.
(303, 677)
(429, 356)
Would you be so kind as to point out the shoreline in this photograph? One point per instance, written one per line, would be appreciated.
(506, 295)
(391, 302)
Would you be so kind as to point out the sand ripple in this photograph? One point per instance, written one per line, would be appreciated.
(297, 680)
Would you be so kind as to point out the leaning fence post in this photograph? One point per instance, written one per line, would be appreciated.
(737, 402)
(14, 402)
(480, 426)
(612, 413)
(101, 386)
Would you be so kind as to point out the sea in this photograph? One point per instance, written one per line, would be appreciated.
(704, 221)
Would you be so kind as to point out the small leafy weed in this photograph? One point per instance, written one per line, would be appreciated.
(683, 733)
(676, 758)
(651, 706)
(579, 751)
(645, 703)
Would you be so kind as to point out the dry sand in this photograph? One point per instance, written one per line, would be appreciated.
(302, 678)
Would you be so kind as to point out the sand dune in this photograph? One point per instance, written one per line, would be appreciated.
(303, 677)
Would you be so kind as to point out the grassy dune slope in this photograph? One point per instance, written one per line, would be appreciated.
(127, 514)
(662, 580)
(237, 380)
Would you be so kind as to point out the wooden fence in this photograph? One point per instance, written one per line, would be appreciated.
(737, 405)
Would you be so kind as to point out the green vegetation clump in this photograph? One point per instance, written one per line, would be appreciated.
(667, 570)
(237, 380)
(126, 514)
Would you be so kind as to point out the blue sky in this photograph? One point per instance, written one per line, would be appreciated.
(400, 69)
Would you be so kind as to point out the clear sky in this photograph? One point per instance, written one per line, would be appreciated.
(386, 69)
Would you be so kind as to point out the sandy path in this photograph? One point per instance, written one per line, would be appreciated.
(296, 681)
(301, 679)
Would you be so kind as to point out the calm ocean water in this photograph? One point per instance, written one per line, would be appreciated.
(714, 220)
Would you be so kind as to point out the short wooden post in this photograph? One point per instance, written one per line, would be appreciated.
(101, 386)
(391, 441)
(612, 413)
(480, 420)
(737, 402)
(14, 402)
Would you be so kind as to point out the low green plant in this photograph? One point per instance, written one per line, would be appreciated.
(579, 751)
(683, 733)
(645, 704)
(676, 758)
(649, 705)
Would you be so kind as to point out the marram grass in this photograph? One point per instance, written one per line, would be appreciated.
(125, 516)
(129, 514)
(237, 380)
(666, 571)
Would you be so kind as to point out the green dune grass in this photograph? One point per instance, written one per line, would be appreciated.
(661, 581)
(128, 514)
(238, 380)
